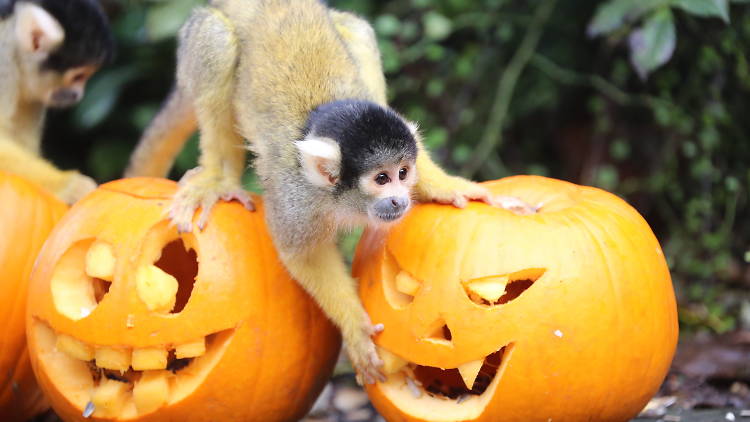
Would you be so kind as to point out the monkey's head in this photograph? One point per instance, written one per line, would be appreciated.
(361, 156)
(59, 45)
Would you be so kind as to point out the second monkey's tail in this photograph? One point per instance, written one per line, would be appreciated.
(164, 138)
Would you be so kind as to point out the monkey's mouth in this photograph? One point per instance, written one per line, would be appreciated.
(389, 217)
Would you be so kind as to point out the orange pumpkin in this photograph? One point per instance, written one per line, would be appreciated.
(27, 215)
(129, 320)
(565, 315)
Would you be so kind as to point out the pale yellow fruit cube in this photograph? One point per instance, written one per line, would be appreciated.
(100, 261)
(391, 362)
(191, 350)
(113, 358)
(406, 284)
(156, 289)
(151, 358)
(151, 391)
(74, 348)
(488, 288)
(109, 398)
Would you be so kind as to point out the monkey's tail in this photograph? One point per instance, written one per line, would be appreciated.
(164, 137)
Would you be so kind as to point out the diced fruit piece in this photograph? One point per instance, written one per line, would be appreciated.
(109, 398)
(469, 372)
(488, 288)
(145, 359)
(113, 358)
(151, 391)
(156, 289)
(391, 362)
(74, 348)
(191, 350)
(406, 284)
(100, 261)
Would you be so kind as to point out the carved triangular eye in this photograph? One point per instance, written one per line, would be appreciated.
(499, 289)
(400, 287)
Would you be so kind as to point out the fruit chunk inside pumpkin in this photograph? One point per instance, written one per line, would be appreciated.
(110, 381)
(437, 394)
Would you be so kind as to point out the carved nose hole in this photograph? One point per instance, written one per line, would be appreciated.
(439, 332)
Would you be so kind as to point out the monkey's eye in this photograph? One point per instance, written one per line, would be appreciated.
(382, 179)
(402, 173)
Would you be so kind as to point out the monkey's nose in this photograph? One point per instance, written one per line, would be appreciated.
(399, 203)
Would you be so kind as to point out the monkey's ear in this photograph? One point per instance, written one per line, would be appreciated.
(413, 127)
(36, 30)
(320, 159)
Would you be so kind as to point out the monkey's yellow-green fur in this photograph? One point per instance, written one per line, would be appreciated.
(255, 70)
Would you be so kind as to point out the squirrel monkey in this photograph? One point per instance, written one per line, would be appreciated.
(48, 51)
(303, 84)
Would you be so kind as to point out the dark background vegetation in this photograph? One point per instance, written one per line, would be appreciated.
(585, 91)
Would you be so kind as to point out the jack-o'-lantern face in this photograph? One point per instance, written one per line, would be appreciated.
(493, 316)
(129, 319)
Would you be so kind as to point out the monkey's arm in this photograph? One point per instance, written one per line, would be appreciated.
(320, 269)
(68, 185)
(164, 138)
(435, 185)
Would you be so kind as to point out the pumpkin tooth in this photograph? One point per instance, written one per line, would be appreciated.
(109, 398)
(74, 348)
(391, 362)
(488, 288)
(191, 350)
(151, 391)
(469, 372)
(149, 358)
(406, 284)
(156, 289)
(112, 358)
(100, 261)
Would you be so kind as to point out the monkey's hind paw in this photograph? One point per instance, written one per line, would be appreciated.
(199, 190)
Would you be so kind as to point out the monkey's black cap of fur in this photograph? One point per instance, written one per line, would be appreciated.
(88, 37)
(368, 135)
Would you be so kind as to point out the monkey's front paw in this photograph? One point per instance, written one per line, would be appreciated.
(364, 356)
(199, 189)
(514, 204)
(459, 192)
(76, 188)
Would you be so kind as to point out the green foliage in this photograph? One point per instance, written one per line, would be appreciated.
(674, 145)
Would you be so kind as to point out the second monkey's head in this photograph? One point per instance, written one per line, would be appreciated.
(59, 45)
(363, 155)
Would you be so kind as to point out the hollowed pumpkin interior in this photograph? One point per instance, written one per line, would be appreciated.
(444, 394)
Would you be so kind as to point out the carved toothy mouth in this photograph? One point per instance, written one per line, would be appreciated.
(125, 382)
(460, 393)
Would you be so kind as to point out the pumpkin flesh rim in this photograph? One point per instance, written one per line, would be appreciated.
(414, 400)
(74, 380)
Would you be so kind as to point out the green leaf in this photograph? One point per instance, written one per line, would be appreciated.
(652, 44)
(611, 15)
(101, 95)
(436, 26)
(165, 18)
(705, 8)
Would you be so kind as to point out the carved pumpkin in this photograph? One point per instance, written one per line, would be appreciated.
(27, 215)
(129, 320)
(565, 315)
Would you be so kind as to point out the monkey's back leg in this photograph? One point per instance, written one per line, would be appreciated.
(206, 65)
